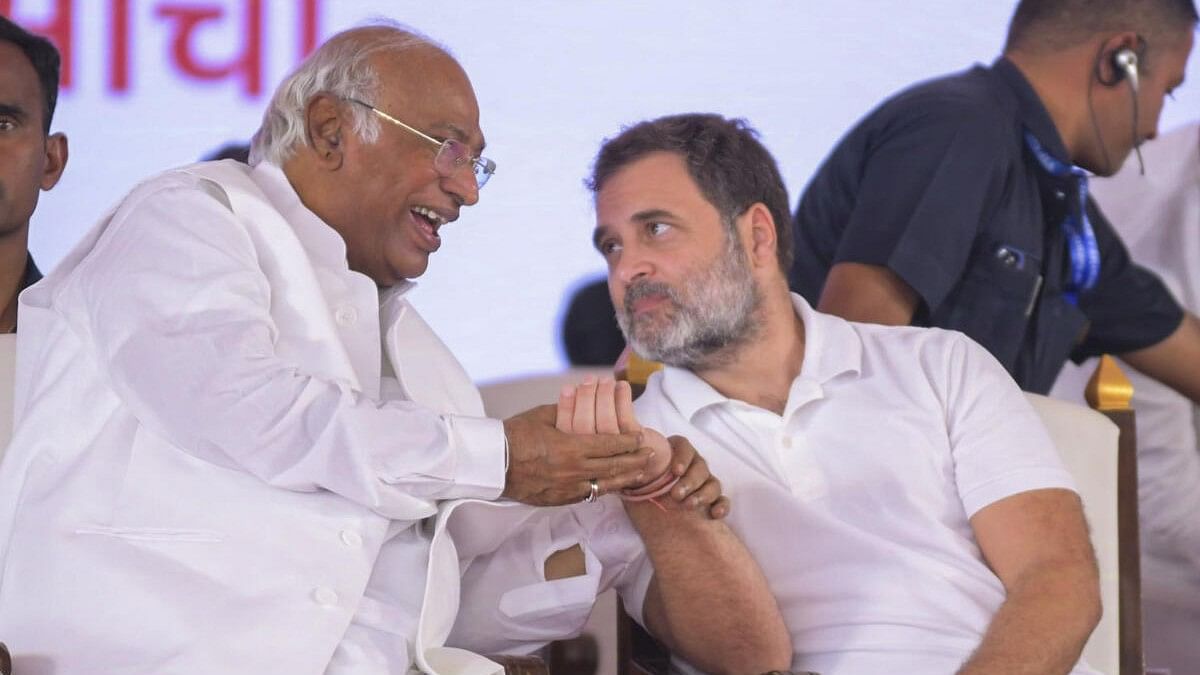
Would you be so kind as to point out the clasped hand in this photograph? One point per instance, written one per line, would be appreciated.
(606, 408)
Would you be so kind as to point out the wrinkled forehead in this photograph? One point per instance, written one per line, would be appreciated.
(425, 87)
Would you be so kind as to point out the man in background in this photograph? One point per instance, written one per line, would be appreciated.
(1158, 215)
(33, 158)
(962, 202)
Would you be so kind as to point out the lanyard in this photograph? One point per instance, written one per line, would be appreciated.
(1081, 239)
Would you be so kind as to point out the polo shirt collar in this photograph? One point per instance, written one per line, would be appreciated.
(831, 348)
(1031, 111)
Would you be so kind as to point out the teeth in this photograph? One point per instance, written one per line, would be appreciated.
(430, 214)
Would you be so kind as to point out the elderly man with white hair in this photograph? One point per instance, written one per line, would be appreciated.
(232, 427)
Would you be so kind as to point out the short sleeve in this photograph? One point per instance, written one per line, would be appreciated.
(999, 445)
(926, 187)
(1129, 308)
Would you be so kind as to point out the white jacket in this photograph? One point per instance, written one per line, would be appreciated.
(203, 470)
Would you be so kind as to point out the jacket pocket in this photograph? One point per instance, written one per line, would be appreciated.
(153, 534)
(994, 301)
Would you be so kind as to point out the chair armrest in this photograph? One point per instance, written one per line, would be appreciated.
(522, 665)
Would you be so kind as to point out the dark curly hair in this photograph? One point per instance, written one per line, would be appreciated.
(724, 156)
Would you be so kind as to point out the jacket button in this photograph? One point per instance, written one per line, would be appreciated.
(346, 315)
(324, 596)
(351, 538)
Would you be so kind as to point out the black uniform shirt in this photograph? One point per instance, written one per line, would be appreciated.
(937, 185)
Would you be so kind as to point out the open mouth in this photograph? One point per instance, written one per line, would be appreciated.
(428, 221)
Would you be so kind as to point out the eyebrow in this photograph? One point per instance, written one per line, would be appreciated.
(13, 110)
(651, 214)
(598, 234)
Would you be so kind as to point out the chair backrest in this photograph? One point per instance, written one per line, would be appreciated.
(505, 398)
(1087, 441)
(8, 356)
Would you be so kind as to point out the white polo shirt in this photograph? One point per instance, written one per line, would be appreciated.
(856, 501)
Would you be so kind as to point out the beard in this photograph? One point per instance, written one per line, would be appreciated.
(702, 324)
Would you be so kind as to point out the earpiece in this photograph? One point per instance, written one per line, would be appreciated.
(1125, 63)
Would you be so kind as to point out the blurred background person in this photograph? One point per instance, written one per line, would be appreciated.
(1158, 216)
(962, 202)
(31, 158)
(589, 331)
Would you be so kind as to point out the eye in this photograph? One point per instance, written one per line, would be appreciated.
(608, 247)
(7, 124)
(657, 229)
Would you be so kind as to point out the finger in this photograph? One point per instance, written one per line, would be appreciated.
(600, 447)
(683, 454)
(696, 476)
(705, 496)
(618, 465)
(720, 508)
(621, 481)
(585, 407)
(587, 490)
(606, 407)
(626, 417)
(566, 408)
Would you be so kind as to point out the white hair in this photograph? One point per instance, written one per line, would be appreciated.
(341, 67)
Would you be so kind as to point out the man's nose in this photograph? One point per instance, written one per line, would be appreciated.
(462, 186)
(632, 266)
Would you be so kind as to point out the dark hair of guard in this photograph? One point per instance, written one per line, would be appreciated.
(724, 156)
(44, 58)
(1050, 25)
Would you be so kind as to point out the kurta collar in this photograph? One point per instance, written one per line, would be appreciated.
(323, 243)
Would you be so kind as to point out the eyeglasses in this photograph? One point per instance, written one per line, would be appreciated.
(451, 155)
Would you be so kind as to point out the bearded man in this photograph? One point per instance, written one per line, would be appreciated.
(900, 495)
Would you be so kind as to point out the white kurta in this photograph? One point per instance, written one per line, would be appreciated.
(204, 476)
(1158, 217)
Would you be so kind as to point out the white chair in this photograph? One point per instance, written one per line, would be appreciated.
(505, 398)
(1087, 442)
(8, 354)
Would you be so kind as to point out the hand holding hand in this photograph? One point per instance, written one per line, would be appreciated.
(547, 467)
(606, 407)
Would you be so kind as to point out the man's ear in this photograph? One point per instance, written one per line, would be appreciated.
(324, 128)
(758, 234)
(1107, 71)
(56, 160)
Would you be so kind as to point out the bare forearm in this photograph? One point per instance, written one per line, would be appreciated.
(709, 601)
(1175, 361)
(1042, 626)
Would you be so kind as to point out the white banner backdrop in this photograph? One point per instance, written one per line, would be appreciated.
(156, 83)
